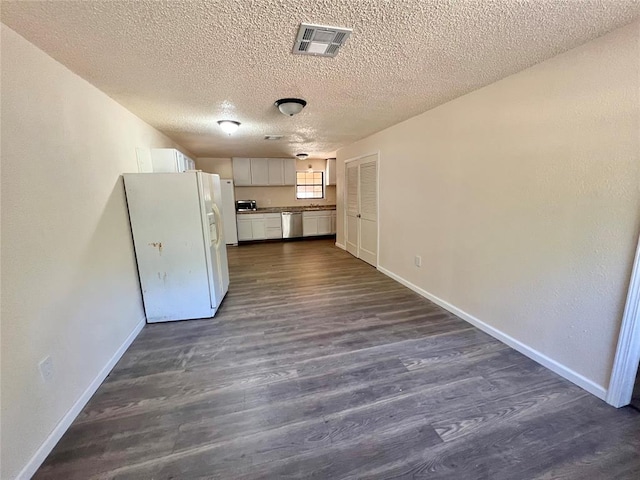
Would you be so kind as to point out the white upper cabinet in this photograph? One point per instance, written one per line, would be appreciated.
(181, 162)
(170, 160)
(330, 172)
(264, 171)
(276, 172)
(289, 169)
(259, 171)
(242, 171)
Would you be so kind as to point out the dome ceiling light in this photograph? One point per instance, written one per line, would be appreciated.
(302, 156)
(228, 126)
(290, 106)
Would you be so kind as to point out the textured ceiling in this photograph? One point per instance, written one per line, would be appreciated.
(183, 65)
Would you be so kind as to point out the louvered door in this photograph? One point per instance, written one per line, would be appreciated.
(352, 230)
(362, 208)
(368, 190)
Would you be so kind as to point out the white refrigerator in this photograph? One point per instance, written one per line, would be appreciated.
(179, 243)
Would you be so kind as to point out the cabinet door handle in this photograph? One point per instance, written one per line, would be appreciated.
(359, 216)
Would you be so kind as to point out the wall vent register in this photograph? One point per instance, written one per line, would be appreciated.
(320, 40)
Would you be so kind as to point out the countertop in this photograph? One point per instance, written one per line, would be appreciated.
(308, 208)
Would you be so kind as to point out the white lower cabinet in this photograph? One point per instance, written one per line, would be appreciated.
(244, 228)
(318, 222)
(309, 225)
(251, 226)
(259, 226)
(273, 223)
(324, 225)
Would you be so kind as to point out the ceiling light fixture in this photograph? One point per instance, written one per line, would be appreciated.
(228, 126)
(290, 106)
(302, 156)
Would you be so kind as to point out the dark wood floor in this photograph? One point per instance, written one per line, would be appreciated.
(318, 366)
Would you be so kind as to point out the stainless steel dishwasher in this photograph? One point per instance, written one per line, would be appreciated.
(291, 224)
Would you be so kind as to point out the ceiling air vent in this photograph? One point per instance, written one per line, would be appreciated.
(320, 40)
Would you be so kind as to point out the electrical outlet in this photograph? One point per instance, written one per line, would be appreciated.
(46, 368)
(418, 261)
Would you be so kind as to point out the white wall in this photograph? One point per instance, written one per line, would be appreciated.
(523, 200)
(70, 288)
(221, 166)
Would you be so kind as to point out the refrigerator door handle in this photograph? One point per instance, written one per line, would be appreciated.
(216, 213)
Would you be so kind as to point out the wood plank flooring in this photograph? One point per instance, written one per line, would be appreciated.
(318, 366)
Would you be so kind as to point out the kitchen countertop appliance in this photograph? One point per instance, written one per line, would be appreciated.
(179, 243)
(246, 205)
(291, 224)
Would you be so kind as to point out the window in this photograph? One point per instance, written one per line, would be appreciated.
(309, 184)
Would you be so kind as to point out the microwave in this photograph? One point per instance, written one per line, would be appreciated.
(246, 205)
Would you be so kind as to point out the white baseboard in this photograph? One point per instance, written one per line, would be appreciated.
(339, 245)
(45, 449)
(574, 377)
